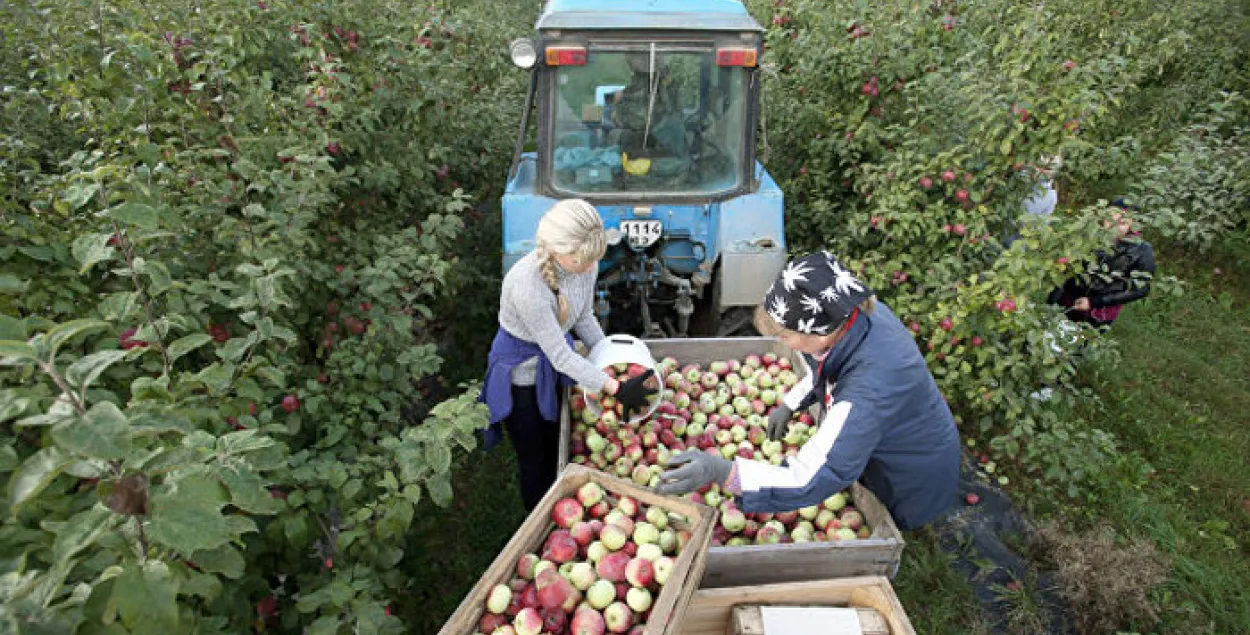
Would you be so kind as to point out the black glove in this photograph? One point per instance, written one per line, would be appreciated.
(779, 421)
(632, 394)
(697, 469)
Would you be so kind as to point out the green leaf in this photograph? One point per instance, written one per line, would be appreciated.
(186, 344)
(14, 352)
(103, 434)
(8, 459)
(186, 516)
(440, 489)
(137, 214)
(36, 473)
(12, 404)
(224, 560)
(243, 441)
(63, 333)
(205, 585)
(248, 492)
(146, 600)
(12, 328)
(90, 249)
(216, 377)
(80, 193)
(12, 285)
(87, 369)
(81, 532)
(236, 347)
(154, 423)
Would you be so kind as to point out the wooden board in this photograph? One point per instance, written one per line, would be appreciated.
(763, 564)
(710, 612)
(748, 619)
(670, 603)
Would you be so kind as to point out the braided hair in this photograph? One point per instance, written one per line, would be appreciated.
(571, 227)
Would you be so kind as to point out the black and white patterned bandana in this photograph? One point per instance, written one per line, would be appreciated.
(814, 294)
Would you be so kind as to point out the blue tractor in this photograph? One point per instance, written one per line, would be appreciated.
(648, 109)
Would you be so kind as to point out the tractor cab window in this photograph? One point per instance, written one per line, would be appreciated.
(650, 121)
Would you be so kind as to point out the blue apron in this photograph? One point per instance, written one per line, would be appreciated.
(506, 353)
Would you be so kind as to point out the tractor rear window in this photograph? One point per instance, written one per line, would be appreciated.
(642, 121)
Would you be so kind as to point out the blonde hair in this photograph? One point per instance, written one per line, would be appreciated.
(768, 327)
(571, 227)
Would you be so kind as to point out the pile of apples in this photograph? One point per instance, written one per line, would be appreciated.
(721, 409)
(600, 569)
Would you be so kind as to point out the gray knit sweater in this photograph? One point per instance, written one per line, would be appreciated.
(528, 310)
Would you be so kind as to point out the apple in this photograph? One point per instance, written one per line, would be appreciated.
(639, 572)
(618, 617)
(638, 599)
(499, 598)
(835, 502)
(595, 551)
(844, 534)
(290, 403)
(528, 622)
(587, 621)
(491, 622)
(646, 533)
(852, 519)
(809, 513)
(567, 512)
(583, 532)
(734, 521)
(613, 537)
(611, 566)
(525, 566)
(650, 552)
(560, 547)
(553, 589)
(601, 593)
(663, 568)
(582, 575)
(591, 493)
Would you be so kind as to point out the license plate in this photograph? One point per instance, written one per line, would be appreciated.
(642, 233)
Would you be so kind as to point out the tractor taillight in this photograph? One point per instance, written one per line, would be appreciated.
(735, 57)
(566, 56)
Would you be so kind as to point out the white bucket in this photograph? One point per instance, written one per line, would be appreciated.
(624, 349)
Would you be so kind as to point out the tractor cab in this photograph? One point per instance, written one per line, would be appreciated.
(649, 111)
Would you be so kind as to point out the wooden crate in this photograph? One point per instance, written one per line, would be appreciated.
(763, 564)
(670, 603)
(711, 610)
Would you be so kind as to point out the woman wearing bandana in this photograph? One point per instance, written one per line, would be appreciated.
(884, 421)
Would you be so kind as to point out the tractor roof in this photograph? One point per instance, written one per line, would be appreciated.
(684, 15)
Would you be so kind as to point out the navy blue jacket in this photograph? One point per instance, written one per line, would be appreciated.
(885, 424)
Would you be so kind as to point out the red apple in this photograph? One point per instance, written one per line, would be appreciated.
(290, 403)
(567, 512)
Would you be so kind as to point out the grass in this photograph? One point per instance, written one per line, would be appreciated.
(1179, 398)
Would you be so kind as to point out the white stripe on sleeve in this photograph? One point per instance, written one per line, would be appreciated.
(795, 395)
(803, 467)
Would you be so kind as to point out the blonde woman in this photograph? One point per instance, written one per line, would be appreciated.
(545, 295)
(884, 421)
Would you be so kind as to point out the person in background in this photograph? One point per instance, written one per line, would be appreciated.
(1044, 198)
(885, 423)
(546, 294)
(1116, 278)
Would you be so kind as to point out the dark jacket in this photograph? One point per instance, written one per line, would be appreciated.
(1117, 277)
(885, 424)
